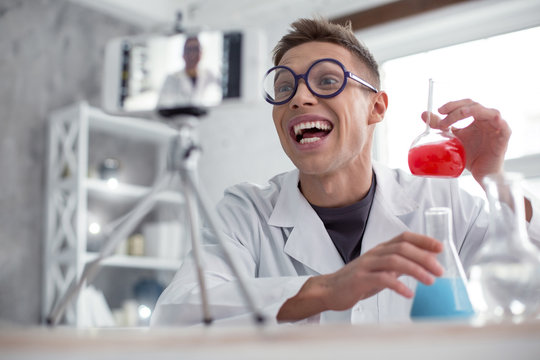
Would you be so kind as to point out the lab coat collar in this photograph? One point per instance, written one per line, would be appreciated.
(288, 199)
(308, 242)
(391, 201)
(394, 195)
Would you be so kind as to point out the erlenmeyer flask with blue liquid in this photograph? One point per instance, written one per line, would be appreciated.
(448, 296)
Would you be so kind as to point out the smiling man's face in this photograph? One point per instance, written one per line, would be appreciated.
(322, 136)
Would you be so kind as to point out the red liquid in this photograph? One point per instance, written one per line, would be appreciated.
(444, 159)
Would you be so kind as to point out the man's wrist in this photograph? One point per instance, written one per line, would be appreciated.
(309, 301)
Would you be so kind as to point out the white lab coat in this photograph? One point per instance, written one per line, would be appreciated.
(279, 241)
(178, 90)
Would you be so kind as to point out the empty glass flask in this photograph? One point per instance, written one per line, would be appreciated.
(505, 275)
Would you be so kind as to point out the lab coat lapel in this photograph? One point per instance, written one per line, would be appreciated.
(308, 241)
(382, 225)
(390, 204)
(391, 201)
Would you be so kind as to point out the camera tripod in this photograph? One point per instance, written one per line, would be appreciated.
(182, 160)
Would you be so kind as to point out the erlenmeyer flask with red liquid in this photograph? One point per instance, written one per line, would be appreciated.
(436, 152)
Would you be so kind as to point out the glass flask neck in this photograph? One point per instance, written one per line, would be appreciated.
(436, 133)
(445, 131)
(439, 226)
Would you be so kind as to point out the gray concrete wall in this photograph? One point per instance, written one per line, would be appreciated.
(50, 57)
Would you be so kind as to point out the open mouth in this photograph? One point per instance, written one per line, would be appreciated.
(311, 131)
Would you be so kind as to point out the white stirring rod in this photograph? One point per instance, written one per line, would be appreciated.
(429, 103)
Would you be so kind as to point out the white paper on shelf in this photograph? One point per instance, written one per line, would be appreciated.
(164, 240)
(95, 311)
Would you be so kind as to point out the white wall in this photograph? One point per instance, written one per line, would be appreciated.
(239, 141)
(239, 144)
(448, 26)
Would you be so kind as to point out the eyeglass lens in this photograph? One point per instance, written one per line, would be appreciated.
(325, 78)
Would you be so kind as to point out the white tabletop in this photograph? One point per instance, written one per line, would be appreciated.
(405, 341)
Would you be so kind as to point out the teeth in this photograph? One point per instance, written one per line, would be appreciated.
(321, 125)
(309, 140)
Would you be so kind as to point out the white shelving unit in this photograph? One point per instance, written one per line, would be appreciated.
(99, 188)
(68, 191)
(137, 262)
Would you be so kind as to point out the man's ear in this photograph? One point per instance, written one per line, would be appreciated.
(380, 104)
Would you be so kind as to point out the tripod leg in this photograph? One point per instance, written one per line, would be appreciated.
(191, 202)
(119, 232)
(212, 222)
(113, 238)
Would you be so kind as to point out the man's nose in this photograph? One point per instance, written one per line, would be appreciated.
(303, 96)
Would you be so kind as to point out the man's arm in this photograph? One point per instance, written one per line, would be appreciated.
(378, 269)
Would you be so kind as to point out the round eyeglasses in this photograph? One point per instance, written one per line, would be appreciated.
(325, 78)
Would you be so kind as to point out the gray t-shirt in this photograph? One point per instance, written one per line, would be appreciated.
(346, 225)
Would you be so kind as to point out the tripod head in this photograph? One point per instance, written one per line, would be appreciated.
(168, 113)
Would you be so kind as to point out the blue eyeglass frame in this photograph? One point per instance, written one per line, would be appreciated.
(347, 75)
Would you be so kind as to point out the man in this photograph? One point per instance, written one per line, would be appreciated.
(339, 238)
(193, 85)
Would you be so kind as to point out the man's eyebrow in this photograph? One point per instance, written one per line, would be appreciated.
(278, 73)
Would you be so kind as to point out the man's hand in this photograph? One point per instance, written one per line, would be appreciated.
(407, 254)
(485, 139)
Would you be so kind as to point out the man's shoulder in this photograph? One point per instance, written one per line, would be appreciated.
(400, 184)
(247, 206)
(252, 194)
(397, 177)
(407, 180)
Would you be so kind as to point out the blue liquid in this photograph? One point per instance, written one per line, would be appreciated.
(446, 298)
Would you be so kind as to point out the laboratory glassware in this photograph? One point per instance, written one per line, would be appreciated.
(436, 152)
(505, 274)
(447, 297)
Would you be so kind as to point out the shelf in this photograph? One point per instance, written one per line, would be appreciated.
(137, 262)
(129, 126)
(100, 189)
(70, 192)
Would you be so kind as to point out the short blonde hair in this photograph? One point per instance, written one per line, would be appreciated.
(306, 30)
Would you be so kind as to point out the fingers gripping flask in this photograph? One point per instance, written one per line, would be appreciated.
(505, 275)
(448, 296)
